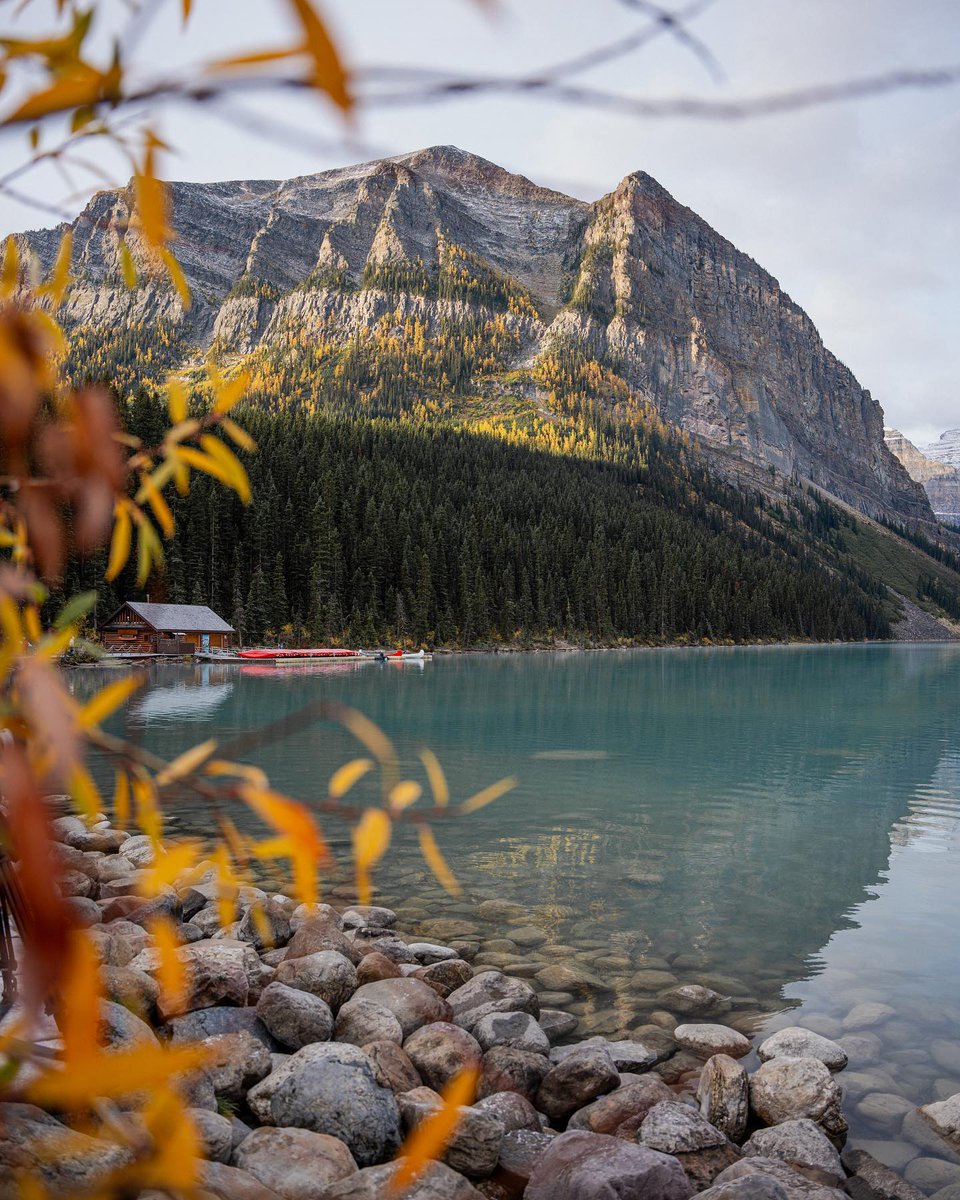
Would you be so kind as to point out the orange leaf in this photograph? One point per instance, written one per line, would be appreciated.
(438, 781)
(152, 201)
(120, 541)
(60, 279)
(432, 1136)
(172, 971)
(108, 700)
(83, 86)
(371, 838)
(328, 73)
(343, 779)
(185, 763)
(436, 862)
(121, 800)
(110, 1076)
(488, 795)
(79, 1007)
(404, 794)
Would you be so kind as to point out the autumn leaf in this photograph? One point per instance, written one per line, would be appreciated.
(487, 795)
(114, 1075)
(432, 1136)
(405, 793)
(328, 73)
(438, 781)
(436, 862)
(120, 540)
(299, 839)
(108, 700)
(371, 837)
(172, 970)
(344, 778)
(59, 281)
(186, 763)
(152, 200)
(80, 87)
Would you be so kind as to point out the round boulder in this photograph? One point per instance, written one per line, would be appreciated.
(440, 1052)
(517, 1029)
(795, 1042)
(592, 1166)
(799, 1143)
(412, 1002)
(294, 1017)
(327, 974)
(788, 1089)
(297, 1164)
(335, 1091)
(362, 1020)
(705, 1040)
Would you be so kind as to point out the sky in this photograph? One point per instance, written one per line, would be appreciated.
(853, 207)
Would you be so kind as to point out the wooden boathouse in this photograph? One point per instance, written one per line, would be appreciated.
(141, 628)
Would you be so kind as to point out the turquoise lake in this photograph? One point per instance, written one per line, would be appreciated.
(782, 823)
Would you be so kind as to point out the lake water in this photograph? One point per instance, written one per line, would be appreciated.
(782, 823)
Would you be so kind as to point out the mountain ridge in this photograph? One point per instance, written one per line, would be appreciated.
(448, 249)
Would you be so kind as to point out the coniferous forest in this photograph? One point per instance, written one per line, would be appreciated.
(373, 530)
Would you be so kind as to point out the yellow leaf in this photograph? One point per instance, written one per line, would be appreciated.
(79, 1008)
(172, 971)
(203, 462)
(144, 1068)
(158, 505)
(227, 886)
(346, 776)
(238, 436)
(230, 463)
(149, 549)
(371, 837)
(303, 843)
(404, 794)
(169, 866)
(60, 279)
(432, 1136)
(121, 800)
(228, 392)
(436, 862)
(177, 277)
(11, 268)
(375, 740)
(438, 781)
(178, 1148)
(84, 791)
(108, 700)
(185, 763)
(149, 817)
(488, 795)
(31, 620)
(186, 7)
(257, 58)
(177, 404)
(127, 266)
(328, 73)
(83, 85)
(251, 774)
(119, 542)
(152, 201)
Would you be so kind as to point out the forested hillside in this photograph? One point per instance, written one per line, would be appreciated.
(370, 531)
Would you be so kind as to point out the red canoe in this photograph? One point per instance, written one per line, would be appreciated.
(273, 654)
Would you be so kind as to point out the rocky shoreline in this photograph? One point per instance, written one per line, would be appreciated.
(331, 1032)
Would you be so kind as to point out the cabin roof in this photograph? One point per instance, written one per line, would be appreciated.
(168, 618)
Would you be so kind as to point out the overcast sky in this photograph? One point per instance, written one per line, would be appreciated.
(853, 207)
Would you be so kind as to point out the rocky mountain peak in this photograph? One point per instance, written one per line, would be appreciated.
(492, 273)
(947, 449)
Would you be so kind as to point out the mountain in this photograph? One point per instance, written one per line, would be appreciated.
(947, 449)
(437, 283)
(940, 479)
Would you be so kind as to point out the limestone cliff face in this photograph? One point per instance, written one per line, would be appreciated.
(636, 280)
(946, 449)
(940, 479)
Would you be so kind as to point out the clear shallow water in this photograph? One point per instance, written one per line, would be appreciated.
(783, 822)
